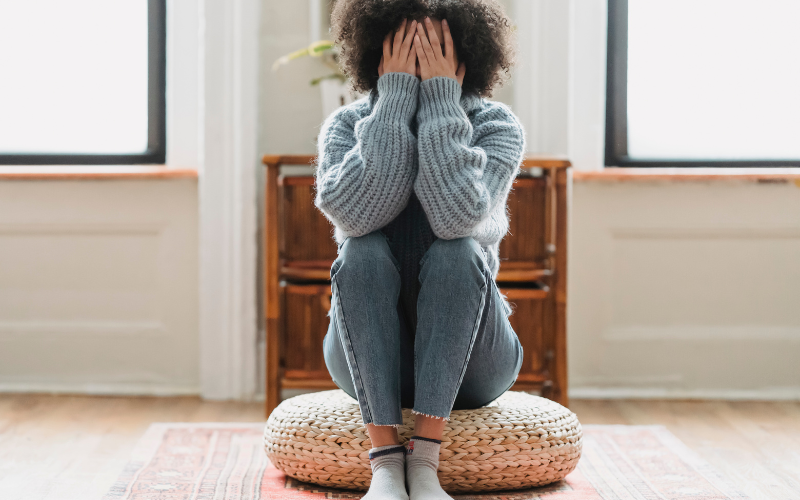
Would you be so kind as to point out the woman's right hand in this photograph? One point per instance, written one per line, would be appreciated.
(397, 54)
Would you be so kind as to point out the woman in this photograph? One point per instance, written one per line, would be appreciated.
(415, 179)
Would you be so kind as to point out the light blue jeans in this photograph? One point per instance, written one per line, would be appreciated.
(463, 354)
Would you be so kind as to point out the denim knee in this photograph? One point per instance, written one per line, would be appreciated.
(365, 255)
(455, 257)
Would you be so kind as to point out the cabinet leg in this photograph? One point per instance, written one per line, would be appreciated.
(273, 381)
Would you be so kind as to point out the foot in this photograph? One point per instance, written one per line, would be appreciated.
(422, 461)
(388, 478)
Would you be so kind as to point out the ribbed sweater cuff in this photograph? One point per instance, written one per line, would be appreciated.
(397, 96)
(440, 96)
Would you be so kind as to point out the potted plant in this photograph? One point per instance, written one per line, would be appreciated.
(333, 86)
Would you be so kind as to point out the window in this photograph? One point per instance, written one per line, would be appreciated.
(703, 83)
(83, 82)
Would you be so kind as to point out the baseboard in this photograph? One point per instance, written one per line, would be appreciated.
(766, 394)
(119, 389)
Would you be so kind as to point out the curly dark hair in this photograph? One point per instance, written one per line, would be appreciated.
(482, 35)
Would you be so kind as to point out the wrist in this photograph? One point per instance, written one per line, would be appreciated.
(397, 96)
(439, 96)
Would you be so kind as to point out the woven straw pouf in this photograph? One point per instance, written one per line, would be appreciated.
(518, 441)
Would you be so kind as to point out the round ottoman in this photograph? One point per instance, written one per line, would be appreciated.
(518, 441)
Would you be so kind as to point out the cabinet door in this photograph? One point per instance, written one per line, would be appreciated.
(306, 235)
(527, 208)
(532, 322)
(305, 309)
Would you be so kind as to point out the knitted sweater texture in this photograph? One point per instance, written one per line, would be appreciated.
(409, 144)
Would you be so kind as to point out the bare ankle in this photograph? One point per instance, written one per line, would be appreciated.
(429, 427)
(382, 435)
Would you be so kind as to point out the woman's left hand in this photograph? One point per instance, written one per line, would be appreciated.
(432, 62)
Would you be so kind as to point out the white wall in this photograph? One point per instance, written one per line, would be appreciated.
(98, 286)
(676, 289)
(290, 109)
(99, 279)
(685, 290)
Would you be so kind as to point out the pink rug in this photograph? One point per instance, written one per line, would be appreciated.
(227, 462)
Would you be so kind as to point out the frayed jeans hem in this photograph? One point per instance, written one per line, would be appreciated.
(446, 419)
(366, 429)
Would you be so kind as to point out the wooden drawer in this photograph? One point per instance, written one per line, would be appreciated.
(305, 308)
(304, 233)
(534, 325)
(528, 229)
(307, 247)
(305, 323)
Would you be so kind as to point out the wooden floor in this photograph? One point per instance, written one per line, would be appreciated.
(65, 447)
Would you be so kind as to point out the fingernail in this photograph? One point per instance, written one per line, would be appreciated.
(444, 21)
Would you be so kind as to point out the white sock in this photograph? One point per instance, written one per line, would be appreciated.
(388, 478)
(422, 460)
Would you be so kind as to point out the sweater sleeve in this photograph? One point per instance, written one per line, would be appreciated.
(366, 165)
(466, 168)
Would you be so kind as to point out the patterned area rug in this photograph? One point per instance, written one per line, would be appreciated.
(227, 462)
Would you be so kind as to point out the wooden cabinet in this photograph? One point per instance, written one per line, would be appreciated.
(299, 251)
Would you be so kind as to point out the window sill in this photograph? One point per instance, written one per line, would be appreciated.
(57, 172)
(764, 175)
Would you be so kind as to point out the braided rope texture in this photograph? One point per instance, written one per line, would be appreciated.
(516, 442)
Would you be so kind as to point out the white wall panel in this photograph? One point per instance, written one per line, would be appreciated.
(98, 286)
(685, 289)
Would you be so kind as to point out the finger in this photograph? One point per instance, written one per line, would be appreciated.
(412, 62)
(406, 47)
(435, 44)
(398, 37)
(423, 59)
(387, 52)
(380, 67)
(448, 41)
(425, 44)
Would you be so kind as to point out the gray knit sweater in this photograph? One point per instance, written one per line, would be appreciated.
(457, 154)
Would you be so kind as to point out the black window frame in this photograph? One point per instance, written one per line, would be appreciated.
(156, 151)
(616, 141)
